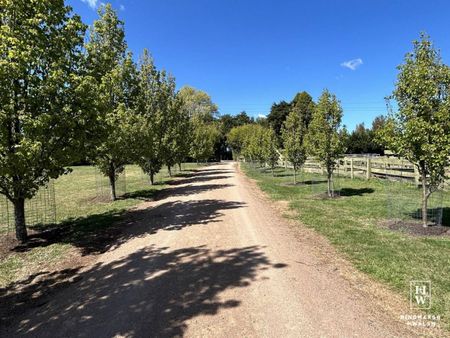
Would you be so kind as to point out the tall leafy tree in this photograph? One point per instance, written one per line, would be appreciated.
(106, 48)
(116, 76)
(198, 103)
(304, 105)
(242, 118)
(164, 122)
(176, 139)
(262, 121)
(158, 104)
(204, 138)
(360, 140)
(376, 145)
(45, 109)
(325, 138)
(277, 116)
(205, 132)
(420, 129)
(363, 140)
(228, 122)
(149, 83)
(181, 135)
(378, 123)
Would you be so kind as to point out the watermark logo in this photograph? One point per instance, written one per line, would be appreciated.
(420, 294)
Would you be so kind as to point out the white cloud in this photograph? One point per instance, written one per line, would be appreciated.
(122, 7)
(352, 64)
(261, 116)
(91, 3)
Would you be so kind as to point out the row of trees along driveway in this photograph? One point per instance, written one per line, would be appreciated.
(63, 100)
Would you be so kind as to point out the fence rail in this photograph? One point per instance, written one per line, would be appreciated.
(368, 167)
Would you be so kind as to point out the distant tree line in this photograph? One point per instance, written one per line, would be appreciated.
(361, 140)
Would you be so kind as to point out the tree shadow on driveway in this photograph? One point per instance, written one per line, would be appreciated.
(151, 292)
(173, 191)
(98, 233)
(197, 178)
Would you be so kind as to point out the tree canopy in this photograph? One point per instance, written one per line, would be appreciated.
(420, 129)
(277, 116)
(41, 73)
(116, 77)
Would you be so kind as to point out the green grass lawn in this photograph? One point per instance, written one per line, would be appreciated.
(351, 223)
(84, 214)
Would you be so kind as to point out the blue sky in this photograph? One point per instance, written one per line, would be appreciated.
(248, 54)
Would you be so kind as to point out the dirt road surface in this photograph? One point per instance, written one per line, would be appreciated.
(212, 258)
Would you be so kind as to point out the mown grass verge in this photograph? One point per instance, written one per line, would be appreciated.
(352, 224)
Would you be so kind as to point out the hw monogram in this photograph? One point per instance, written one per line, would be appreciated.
(420, 294)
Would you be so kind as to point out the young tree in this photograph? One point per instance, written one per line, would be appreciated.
(270, 151)
(45, 109)
(295, 129)
(293, 141)
(420, 129)
(325, 140)
(237, 139)
(116, 76)
(257, 144)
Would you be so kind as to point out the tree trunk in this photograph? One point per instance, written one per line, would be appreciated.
(330, 189)
(179, 166)
(152, 177)
(295, 176)
(273, 175)
(425, 196)
(170, 170)
(112, 184)
(19, 218)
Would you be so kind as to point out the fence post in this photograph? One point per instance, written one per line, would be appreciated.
(352, 175)
(369, 169)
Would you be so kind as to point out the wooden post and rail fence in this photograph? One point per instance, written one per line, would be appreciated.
(367, 167)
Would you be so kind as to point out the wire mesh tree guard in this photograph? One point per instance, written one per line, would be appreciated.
(404, 196)
(103, 187)
(39, 210)
(318, 179)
